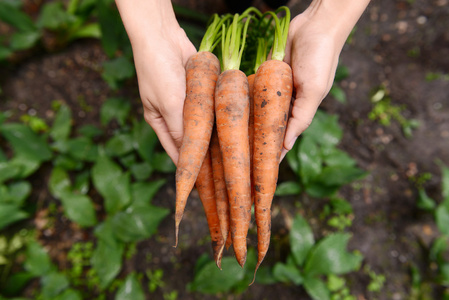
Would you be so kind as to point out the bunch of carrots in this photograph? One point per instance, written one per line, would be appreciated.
(234, 127)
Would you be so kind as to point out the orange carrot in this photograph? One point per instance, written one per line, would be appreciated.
(202, 70)
(251, 128)
(221, 195)
(206, 191)
(232, 114)
(273, 88)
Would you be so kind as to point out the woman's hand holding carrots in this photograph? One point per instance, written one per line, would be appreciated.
(316, 38)
(161, 50)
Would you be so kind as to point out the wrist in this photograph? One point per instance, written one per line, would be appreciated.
(146, 19)
(336, 17)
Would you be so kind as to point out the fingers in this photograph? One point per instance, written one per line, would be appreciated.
(169, 137)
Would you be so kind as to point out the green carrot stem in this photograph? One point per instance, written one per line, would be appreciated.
(261, 55)
(213, 32)
(233, 42)
(281, 33)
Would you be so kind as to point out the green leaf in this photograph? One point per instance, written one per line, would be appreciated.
(113, 34)
(25, 142)
(112, 184)
(69, 294)
(338, 93)
(301, 239)
(137, 224)
(324, 129)
(145, 140)
(107, 261)
(445, 182)
(316, 288)
(143, 192)
(37, 260)
(288, 188)
(53, 284)
(82, 148)
(114, 108)
(116, 70)
(19, 192)
(131, 289)
(119, 145)
(90, 131)
(424, 201)
(287, 273)
(309, 160)
(318, 190)
(141, 171)
(339, 175)
(91, 30)
(5, 53)
(439, 246)
(341, 206)
(62, 124)
(211, 280)
(9, 171)
(10, 213)
(28, 165)
(59, 183)
(54, 16)
(442, 217)
(82, 182)
(14, 17)
(293, 157)
(67, 162)
(24, 40)
(79, 209)
(330, 256)
(15, 283)
(341, 73)
(334, 157)
(162, 162)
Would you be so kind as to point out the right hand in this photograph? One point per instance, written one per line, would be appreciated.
(160, 66)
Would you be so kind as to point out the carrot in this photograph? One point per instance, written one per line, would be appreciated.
(232, 116)
(206, 191)
(202, 70)
(273, 87)
(260, 58)
(221, 195)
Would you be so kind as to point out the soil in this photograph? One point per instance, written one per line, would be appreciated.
(396, 44)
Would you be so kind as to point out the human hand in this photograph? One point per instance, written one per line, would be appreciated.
(161, 50)
(315, 40)
(161, 75)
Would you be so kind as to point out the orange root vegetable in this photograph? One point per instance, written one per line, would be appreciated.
(251, 128)
(273, 88)
(232, 116)
(202, 71)
(221, 194)
(206, 191)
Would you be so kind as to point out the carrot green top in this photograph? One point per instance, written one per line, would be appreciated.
(212, 36)
(233, 41)
(281, 33)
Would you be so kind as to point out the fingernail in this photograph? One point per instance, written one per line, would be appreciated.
(291, 143)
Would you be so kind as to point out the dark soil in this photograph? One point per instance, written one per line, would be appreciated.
(395, 44)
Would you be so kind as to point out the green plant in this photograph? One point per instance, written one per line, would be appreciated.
(440, 245)
(310, 260)
(336, 91)
(56, 25)
(385, 112)
(377, 281)
(155, 279)
(321, 167)
(339, 213)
